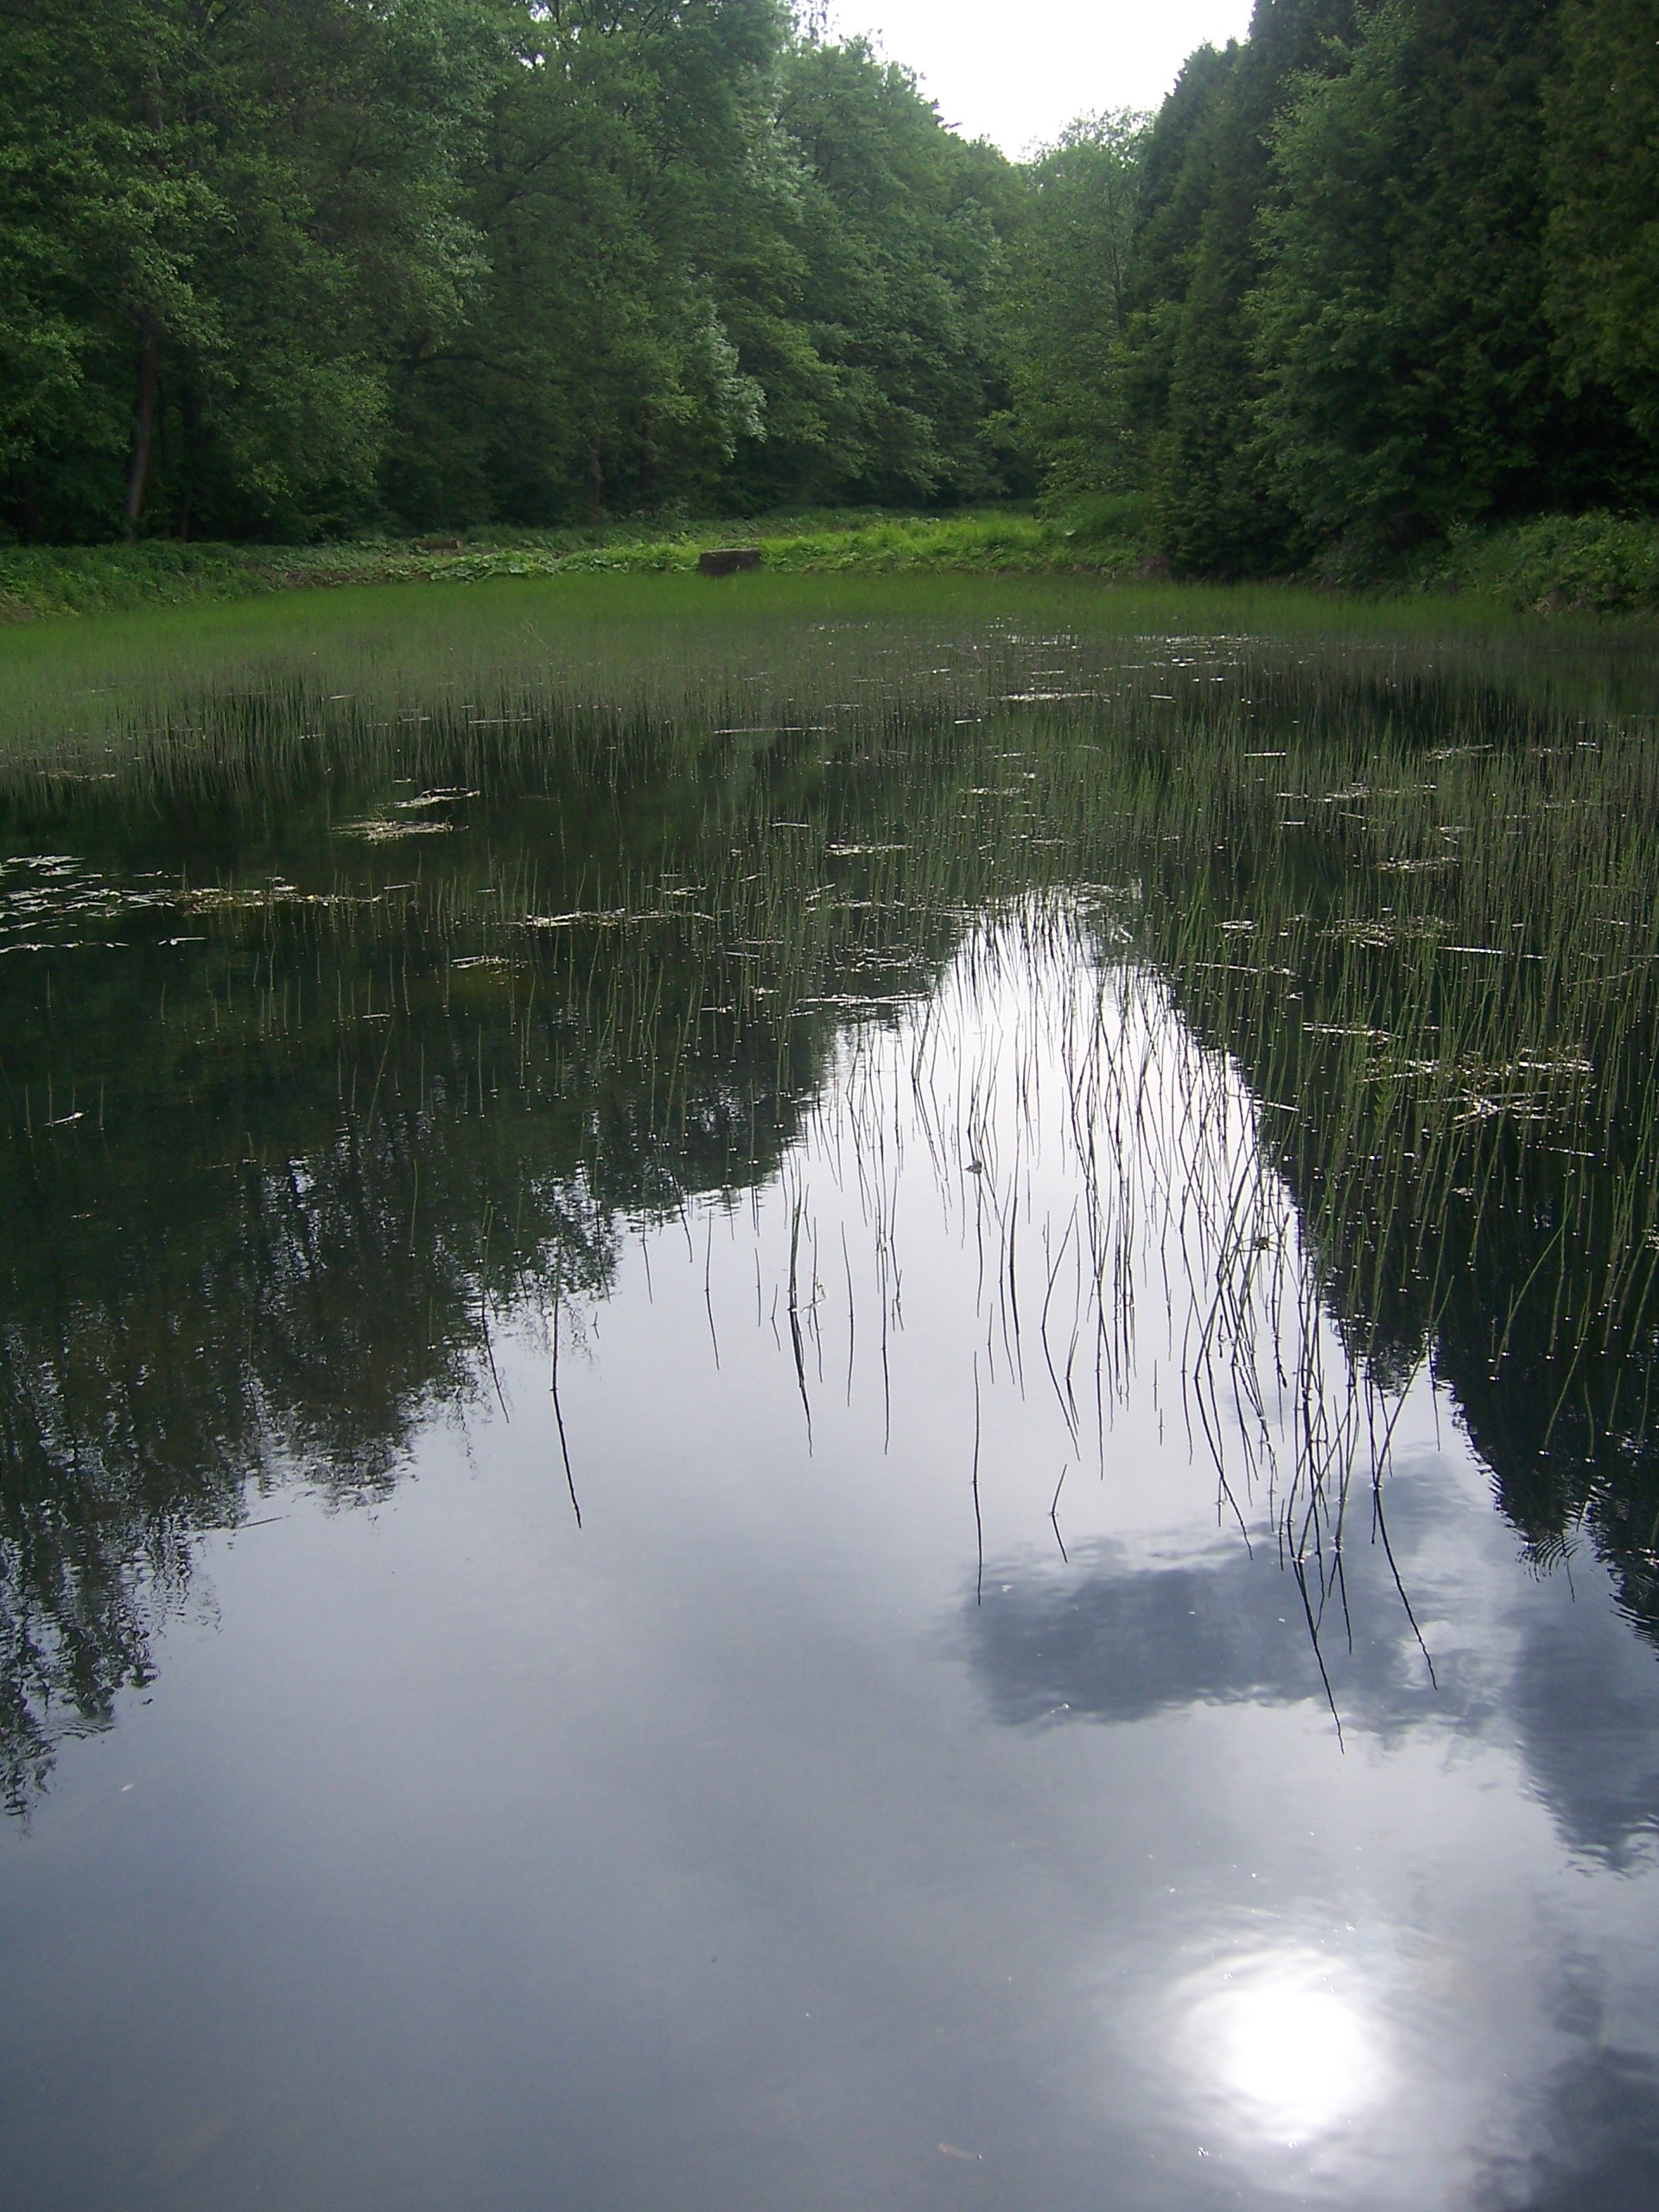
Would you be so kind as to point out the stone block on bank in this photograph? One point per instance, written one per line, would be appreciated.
(726, 560)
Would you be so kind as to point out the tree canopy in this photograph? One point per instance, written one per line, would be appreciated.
(1394, 271)
(339, 265)
(289, 269)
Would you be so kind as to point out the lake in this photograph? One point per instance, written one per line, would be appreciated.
(829, 1396)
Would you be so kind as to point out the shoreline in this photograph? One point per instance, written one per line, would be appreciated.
(1555, 566)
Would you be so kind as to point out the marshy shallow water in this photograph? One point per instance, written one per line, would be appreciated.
(851, 1410)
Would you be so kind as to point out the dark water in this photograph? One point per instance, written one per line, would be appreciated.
(774, 1490)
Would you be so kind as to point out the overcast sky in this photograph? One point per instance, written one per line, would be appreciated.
(1018, 73)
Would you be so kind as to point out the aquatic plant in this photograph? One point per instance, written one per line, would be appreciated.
(1347, 948)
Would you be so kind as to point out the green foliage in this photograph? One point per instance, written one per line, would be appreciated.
(1400, 327)
(1596, 563)
(1065, 306)
(611, 187)
(895, 242)
(1098, 537)
(1602, 248)
(307, 273)
(1369, 304)
(1218, 510)
(1176, 185)
(213, 223)
(291, 271)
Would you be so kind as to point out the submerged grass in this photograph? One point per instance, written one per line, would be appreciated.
(1413, 882)
(546, 909)
(670, 645)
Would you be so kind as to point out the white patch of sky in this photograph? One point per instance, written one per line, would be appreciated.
(1018, 74)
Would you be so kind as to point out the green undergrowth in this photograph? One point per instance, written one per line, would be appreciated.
(83, 579)
(1555, 564)
(1596, 564)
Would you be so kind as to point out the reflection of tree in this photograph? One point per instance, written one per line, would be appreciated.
(241, 1276)
(316, 1152)
(308, 1157)
(1508, 1260)
(1599, 2119)
(1557, 1392)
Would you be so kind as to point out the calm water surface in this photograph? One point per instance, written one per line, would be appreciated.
(803, 1480)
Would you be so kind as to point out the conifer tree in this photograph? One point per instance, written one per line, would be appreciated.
(1602, 251)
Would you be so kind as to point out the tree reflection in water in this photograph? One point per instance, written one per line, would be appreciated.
(294, 1120)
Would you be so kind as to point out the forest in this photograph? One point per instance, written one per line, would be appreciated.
(341, 268)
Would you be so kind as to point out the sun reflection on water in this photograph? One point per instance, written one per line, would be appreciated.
(1284, 2045)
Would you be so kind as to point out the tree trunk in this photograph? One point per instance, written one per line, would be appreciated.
(596, 476)
(144, 425)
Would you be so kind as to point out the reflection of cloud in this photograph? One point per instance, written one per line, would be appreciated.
(1559, 1668)
(1121, 1643)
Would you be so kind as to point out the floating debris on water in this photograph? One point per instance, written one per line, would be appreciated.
(381, 830)
(437, 797)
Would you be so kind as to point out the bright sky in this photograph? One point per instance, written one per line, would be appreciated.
(1017, 74)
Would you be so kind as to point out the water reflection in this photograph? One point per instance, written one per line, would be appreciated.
(1281, 2043)
(1559, 1674)
(1039, 1689)
(1600, 2141)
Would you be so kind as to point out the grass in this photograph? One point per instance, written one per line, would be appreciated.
(1420, 774)
(1594, 564)
(70, 690)
(101, 579)
(522, 915)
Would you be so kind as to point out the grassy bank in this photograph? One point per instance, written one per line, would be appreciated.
(82, 580)
(1584, 564)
